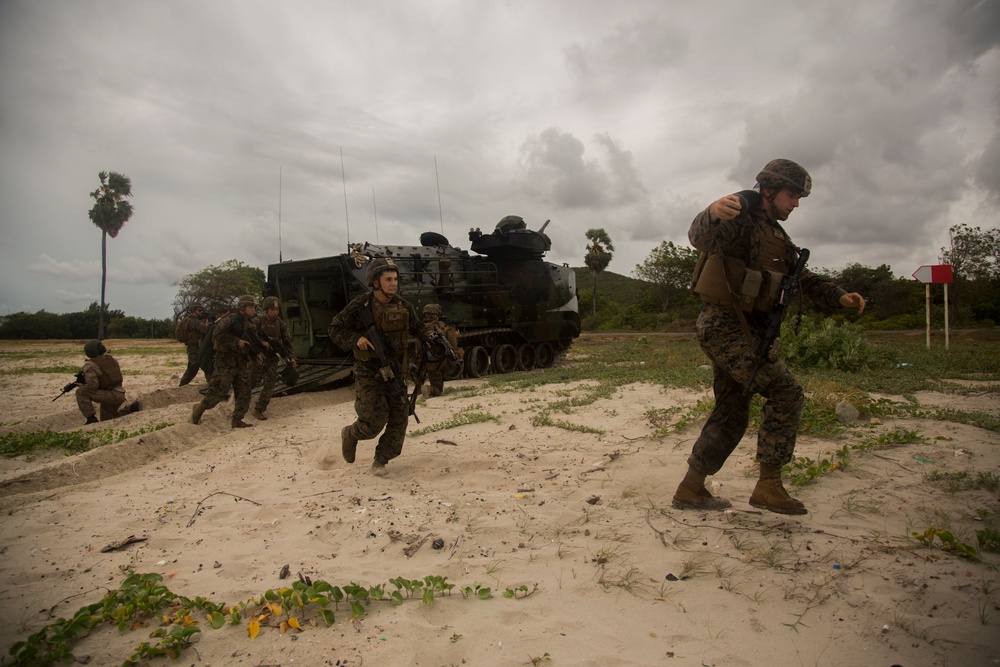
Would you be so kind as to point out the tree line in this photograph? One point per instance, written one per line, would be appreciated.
(657, 296)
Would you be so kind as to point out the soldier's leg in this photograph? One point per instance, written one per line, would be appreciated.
(222, 380)
(370, 405)
(780, 417)
(266, 387)
(85, 401)
(192, 365)
(725, 426)
(241, 390)
(390, 445)
(436, 378)
(110, 401)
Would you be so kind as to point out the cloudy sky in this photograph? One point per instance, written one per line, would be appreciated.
(629, 115)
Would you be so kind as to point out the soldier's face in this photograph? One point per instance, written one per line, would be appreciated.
(784, 203)
(249, 310)
(272, 313)
(388, 283)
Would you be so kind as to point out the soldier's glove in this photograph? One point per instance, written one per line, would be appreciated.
(726, 208)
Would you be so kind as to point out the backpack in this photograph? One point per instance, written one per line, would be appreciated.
(181, 332)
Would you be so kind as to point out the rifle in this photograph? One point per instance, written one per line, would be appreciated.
(70, 386)
(789, 287)
(279, 349)
(390, 371)
(439, 350)
(260, 348)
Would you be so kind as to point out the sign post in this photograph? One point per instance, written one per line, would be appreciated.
(932, 275)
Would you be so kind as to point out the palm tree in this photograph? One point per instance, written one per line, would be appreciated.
(110, 213)
(599, 254)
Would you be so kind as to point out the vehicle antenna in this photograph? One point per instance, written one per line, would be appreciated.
(440, 212)
(347, 217)
(279, 215)
(374, 208)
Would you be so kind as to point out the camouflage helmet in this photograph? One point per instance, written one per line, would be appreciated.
(782, 173)
(270, 302)
(196, 306)
(94, 348)
(432, 309)
(246, 300)
(378, 266)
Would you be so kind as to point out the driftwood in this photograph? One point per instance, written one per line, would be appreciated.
(200, 508)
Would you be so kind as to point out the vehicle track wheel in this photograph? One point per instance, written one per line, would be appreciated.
(477, 361)
(545, 356)
(525, 357)
(504, 358)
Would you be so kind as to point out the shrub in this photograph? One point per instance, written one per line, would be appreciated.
(826, 344)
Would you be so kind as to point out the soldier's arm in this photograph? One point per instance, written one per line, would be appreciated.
(223, 334)
(417, 328)
(708, 232)
(198, 325)
(90, 379)
(346, 327)
(820, 290)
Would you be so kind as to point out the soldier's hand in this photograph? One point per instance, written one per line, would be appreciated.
(853, 300)
(243, 343)
(294, 363)
(725, 208)
(365, 344)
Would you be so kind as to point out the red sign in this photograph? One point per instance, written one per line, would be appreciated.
(937, 273)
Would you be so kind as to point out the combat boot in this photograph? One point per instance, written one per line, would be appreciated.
(239, 423)
(691, 494)
(769, 494)
(91, 419)
(134, 406)
(196, 412)
(348, 443)
(259, 414)
(378, 469)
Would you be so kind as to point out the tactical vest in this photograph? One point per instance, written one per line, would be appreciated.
(109, 373)
(393, 322)
(271, 328)
(728, 281)
(235, 328)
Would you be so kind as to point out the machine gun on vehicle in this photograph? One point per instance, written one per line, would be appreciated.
(390, 371)
(788, 288)
(70, 386)
(438, 349)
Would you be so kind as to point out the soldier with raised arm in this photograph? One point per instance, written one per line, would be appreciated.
(745, 254)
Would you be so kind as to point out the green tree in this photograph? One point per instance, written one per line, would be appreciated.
(668, 267)
(110, 213)
(217, 288)
(975, 259)
(599, 254)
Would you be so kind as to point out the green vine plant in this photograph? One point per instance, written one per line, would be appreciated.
(142, 600)
(71, 442)
(474, 414)
(806, 470)
(948, 542)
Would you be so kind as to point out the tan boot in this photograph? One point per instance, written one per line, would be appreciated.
(196, 412)
(769, 494)
(691, 494)
(239, 423)
(378, 469)
(259, 414)
(348, 443)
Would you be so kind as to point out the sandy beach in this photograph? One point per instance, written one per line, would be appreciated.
(576, 523)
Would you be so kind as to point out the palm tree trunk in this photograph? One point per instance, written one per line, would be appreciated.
(595, 293)
(104, 280)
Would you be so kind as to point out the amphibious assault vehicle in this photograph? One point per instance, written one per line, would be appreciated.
(514, 310)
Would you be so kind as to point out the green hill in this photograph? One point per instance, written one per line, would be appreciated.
(612, 287)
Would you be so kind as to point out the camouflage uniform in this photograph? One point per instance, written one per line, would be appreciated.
(275, 329)
(195, 328)
(102, 384)
(436, 370)
(722, 338)
(231, 366)
(377, 403)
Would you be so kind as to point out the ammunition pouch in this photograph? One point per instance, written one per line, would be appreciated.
(726, 281)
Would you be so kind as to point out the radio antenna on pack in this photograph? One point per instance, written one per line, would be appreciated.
(279, 215)
(347, 217)
(374, 208)
(440, 212)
